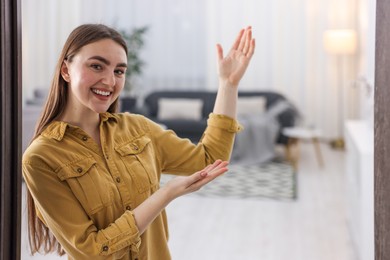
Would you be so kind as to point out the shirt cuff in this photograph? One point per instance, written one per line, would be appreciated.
(224, 122)
(128, 236)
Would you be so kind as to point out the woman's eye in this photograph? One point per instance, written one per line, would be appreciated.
(96, 66)
(119, 72)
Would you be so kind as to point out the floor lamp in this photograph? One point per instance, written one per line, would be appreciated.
(340, 43)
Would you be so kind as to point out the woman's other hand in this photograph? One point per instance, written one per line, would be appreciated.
(232, 67)
(147, 211)
(181, 185)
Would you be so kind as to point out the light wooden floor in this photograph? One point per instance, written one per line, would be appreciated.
(314, 227)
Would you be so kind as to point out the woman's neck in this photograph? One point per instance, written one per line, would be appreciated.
(89, 121)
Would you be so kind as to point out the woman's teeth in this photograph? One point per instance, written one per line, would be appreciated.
(100, 92)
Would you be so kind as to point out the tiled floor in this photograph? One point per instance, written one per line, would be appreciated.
(314, 227)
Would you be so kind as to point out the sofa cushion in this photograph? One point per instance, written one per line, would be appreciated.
(151, 101)
(251, 106)
(179, 108)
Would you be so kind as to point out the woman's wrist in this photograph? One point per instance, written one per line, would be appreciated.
(226, 84)
(167, 194)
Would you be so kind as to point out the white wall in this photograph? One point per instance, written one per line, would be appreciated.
(366, 71)
(180, 49)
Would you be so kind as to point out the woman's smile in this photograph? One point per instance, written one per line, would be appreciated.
(101, 94)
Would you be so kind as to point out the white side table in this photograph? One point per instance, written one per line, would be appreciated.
(295, 134)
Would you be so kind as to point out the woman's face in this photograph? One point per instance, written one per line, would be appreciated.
(95, 76)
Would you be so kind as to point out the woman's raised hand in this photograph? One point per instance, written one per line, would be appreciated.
(232, 67)
(179, 186)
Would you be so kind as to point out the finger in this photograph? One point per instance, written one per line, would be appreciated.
(197, 176)
(211, 169)
(215, 168)
(238, 39)
(243, 39)
(215, 165)
(202, 182)
(248, 41)
(211, 166)
(251, 49)
(218, 167)
(219, 52)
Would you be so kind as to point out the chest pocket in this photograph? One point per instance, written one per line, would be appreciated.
(138, 156)
(89, 187)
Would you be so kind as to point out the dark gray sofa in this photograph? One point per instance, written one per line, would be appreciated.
(193, 129)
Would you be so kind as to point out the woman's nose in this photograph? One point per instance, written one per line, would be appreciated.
(109, 79)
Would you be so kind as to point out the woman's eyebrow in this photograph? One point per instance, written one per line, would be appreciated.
(107, 62)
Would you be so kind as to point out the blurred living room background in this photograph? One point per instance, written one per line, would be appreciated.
(317, 54)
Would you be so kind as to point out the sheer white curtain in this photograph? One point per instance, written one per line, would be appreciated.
(45, 26)
(180, 44)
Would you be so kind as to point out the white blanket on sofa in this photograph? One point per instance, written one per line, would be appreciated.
(256, 143)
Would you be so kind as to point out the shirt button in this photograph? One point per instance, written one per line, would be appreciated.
(135, 147)
(85, 138)
(118, 180)
(79, 169)
(107, 157)
(128, 207)
(105, 248)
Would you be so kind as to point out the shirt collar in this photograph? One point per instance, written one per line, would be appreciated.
(107, 115)
(56, 129)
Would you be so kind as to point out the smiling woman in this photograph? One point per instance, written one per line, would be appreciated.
(93, 174)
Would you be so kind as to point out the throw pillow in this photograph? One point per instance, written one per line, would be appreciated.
(179, 108)
(251, 106)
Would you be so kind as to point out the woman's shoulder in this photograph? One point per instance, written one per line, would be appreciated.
(38, 152)
(51, 147)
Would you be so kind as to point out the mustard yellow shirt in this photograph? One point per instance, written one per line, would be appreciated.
(85, 193)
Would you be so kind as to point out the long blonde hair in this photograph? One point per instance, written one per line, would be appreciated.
(39, 234)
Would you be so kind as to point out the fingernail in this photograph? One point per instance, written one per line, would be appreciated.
(203, 174)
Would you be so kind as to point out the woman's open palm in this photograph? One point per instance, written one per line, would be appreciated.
(232, 67)
(179, 186)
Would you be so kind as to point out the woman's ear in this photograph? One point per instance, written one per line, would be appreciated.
(65, 71)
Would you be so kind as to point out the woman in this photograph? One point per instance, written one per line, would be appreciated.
(93, 174)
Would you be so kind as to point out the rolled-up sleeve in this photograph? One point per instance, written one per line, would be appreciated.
(224, 122)
(61, 211)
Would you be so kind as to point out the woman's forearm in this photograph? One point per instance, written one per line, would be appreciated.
(226, 100)
(146, 212)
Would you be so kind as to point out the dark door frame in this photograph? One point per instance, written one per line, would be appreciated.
(382, 131)
(10, 127)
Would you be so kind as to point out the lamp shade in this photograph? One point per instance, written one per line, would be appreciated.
(340, 41)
